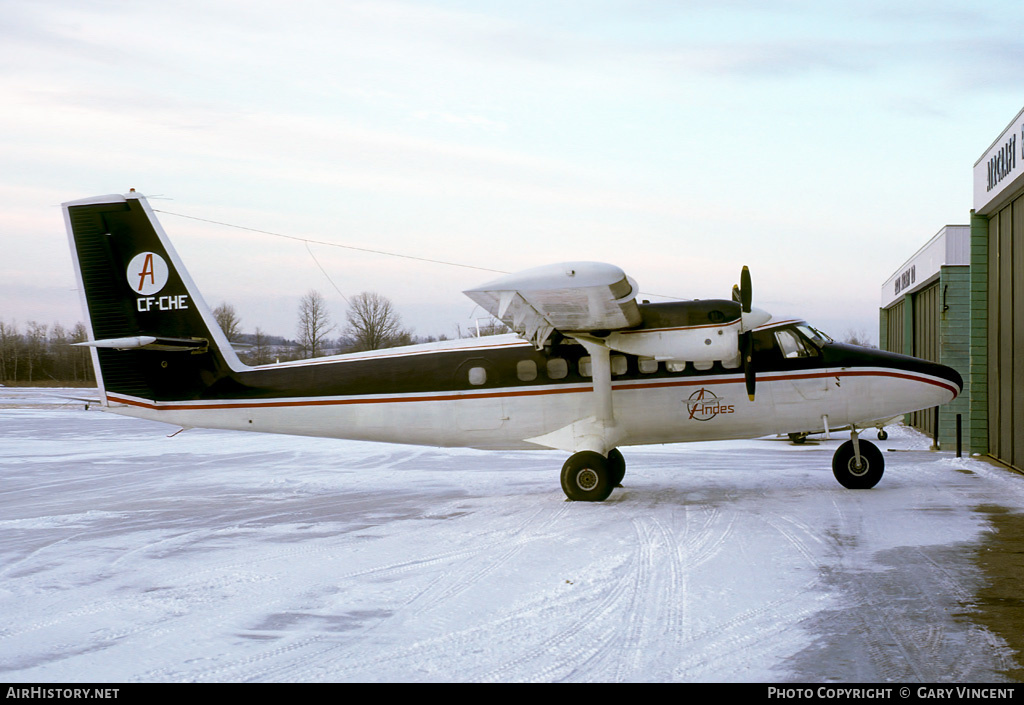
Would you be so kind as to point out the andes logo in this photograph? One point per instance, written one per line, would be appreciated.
(703, 405)
(147, 273)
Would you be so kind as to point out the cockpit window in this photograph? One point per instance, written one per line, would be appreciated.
(794, 345)
(814, 334)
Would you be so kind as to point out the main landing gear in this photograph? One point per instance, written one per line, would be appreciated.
(588, 476)
(857, 464)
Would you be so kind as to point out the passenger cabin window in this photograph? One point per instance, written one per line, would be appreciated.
(557, 368)
(675, 366)
(647, 365)
(477, 375)
(618, 363)
(792, 345)
(526, 370)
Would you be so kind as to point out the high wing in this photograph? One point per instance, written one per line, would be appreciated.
(596, 301)
(572, 296)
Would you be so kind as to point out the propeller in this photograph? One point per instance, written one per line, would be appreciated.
(743, 294)
(747, 351)
(746, 292)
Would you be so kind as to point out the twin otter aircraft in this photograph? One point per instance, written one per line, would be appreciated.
(588, 370)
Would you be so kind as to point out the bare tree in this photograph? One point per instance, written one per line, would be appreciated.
(260, 353)
(314, 324)
(228, 321)
(35, 344)
(373, 323)
(61, 354)
(858, 337)
(9, 344)
(82, 357)
(483, 327)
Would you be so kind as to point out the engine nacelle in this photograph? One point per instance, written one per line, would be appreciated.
(700, 331)
(691, 344)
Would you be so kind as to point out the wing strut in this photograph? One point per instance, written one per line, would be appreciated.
(599, 432)
(601, 370)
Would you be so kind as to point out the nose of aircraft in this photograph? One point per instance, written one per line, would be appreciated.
(854, 356)
(941, 372)
(948, 374)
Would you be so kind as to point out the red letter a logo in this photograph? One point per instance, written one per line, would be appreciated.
(147, 269)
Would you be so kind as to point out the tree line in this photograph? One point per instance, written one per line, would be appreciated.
(371, 323)
(44, 354)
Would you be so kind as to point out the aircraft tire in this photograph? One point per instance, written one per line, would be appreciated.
(586, 477)
(797, 438)
(616, 467)
(882, 434)
(853, 478)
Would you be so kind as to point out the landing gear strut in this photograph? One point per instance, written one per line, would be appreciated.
(857, 464)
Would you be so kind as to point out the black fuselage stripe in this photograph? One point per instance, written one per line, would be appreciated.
(502, 394)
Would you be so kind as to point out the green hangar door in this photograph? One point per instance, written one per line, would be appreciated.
(926, 345)
(1006, 334)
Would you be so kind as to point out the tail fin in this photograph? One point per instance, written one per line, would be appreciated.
(152, 335)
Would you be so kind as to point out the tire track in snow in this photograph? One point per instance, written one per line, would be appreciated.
(632, 638)
(708, 540)
(748, 635)
(528, 531)
(576, 642)
(326, 651)
(745, 636)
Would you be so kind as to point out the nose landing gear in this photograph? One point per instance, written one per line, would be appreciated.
(857, 464)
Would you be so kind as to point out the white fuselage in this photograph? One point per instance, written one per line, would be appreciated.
(666, 409)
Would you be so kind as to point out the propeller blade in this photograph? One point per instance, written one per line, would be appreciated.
(747, 353)
(746, 291)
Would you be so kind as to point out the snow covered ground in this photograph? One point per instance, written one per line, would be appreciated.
(126, 555)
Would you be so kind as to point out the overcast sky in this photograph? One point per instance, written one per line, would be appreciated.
(820, 143)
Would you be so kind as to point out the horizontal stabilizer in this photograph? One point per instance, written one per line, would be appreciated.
(147, 342)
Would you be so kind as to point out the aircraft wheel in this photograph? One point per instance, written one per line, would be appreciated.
(616, 467)
(586, 477)
(882, 434)
(797, 438)
(844, 466)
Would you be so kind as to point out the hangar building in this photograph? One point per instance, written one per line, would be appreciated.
(960, 301)
(997, 294)
(926, 312)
